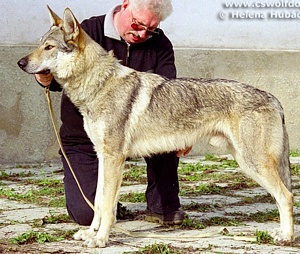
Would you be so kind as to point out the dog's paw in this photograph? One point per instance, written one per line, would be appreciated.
(95, 242)
(281, 237)
(84, 234)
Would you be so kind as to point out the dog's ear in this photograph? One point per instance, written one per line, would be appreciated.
(73, 29)
(55, 20)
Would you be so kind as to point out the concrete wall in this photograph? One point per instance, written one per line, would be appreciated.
(210, 40)
(193, 24)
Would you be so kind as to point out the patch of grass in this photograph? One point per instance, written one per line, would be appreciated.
(56, 218)
(163, 248)
(50, 193)
(134, 173)
(133, 197)
(264, 216)
(52, 219)
(211, 157)
(205, 172)
(188, 168)
(14, 176)
(41, 237)
(225, 162)
(260, 217)
(294, 153)
(26, 166)
(236, 221)
(201, 189)
(208, 189)
(12, 195)
(297, 204)
(295, 169)
(267, 198)
(193, 206)
(32, 236)
(192, 177)
(296, 187)
(243, 185)
(229, 164)
(189, 223)
(221, 221)
(47, 182)
(212, 188)
(57, 202)
(191, 168)
(263, 237)
(156, 248)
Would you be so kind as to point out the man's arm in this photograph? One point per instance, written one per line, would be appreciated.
(165, 57)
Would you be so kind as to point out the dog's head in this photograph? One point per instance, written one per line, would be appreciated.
(64, 40)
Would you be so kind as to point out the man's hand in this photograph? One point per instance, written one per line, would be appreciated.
(184, 152)
(44, 79)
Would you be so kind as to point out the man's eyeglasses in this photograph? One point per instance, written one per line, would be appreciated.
(139, 27)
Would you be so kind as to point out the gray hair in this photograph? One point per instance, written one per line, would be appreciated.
(161, 8)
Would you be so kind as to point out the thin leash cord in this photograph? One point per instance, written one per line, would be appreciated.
(122, 230)
(47, 92)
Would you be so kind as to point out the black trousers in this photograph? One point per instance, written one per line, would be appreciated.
(161, 194)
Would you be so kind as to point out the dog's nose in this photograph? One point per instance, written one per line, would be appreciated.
(22, 63)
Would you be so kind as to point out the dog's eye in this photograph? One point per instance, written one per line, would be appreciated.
(49, 47)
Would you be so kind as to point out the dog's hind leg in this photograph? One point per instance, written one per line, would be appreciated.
(268, 177)
(285, 203)
(265, 158)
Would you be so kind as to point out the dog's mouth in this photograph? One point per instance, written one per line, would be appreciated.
(46, 71)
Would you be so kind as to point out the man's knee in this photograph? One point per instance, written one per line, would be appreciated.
(81, 215)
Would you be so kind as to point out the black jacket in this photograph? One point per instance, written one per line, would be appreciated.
(154, 55)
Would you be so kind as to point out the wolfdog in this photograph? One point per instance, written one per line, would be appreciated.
(133, 114)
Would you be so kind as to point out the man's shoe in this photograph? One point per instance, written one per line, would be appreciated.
(172, 218)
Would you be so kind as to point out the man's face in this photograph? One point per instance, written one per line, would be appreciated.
(137, 26)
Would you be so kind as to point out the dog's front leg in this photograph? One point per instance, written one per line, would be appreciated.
(105, 210)
(89, 234)
(113, 171)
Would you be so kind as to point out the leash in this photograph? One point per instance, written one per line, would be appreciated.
(122, 230)
(54, 123)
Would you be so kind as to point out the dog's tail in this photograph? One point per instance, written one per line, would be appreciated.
(285, 166)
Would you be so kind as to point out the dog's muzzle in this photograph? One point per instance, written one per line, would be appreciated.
(24, 62)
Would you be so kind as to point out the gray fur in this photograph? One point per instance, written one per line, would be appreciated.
(128, 113)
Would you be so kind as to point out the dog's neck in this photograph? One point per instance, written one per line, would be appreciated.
(100, 66)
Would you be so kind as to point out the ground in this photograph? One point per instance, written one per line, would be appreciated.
(228, 213)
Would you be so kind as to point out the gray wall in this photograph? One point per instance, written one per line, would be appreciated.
(193, 24)
(262, 52)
